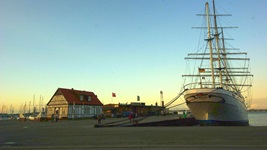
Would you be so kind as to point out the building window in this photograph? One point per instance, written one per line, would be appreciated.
(81, 97)
(89, 98)
(87, 110)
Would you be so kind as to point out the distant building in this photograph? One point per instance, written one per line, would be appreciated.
(137, 108)
(70, 103)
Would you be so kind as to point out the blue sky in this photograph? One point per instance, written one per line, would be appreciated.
(130, 47)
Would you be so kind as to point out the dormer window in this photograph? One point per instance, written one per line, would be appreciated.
(89, 98)
(81, 97)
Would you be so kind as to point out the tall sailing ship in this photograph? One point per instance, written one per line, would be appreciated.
(216, 92)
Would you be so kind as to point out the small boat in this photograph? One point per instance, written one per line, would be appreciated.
(220, 77)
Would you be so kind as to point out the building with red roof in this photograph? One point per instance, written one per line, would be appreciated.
(71, 103)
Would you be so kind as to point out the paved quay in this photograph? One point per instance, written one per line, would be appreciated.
(81, 134)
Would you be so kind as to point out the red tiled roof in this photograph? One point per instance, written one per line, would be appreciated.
(73, 96)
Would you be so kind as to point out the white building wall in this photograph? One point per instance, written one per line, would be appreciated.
(83, 111)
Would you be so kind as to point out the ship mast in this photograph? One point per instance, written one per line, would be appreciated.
(210, 45)
(231, 76)
(217, 43)
(225, 63)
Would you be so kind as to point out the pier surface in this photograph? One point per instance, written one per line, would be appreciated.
(81, 134)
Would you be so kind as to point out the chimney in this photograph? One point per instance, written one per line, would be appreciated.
(156, 104)
(161, 98)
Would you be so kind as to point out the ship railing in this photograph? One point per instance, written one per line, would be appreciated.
(200, 85)
(217, 86)
(209, 85)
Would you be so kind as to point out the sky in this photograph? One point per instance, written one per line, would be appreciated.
(129, 47)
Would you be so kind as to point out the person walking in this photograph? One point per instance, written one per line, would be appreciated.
(57, 116)
(130, 117)
(52, 117)
(184, 114)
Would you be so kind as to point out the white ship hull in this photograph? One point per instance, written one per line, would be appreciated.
(216, 106)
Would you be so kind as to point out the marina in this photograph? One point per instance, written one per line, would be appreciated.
(121, 57)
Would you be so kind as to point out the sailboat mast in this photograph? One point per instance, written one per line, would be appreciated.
(217, 44)
(210, 45)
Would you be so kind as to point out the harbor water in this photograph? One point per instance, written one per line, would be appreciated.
(257, 118)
